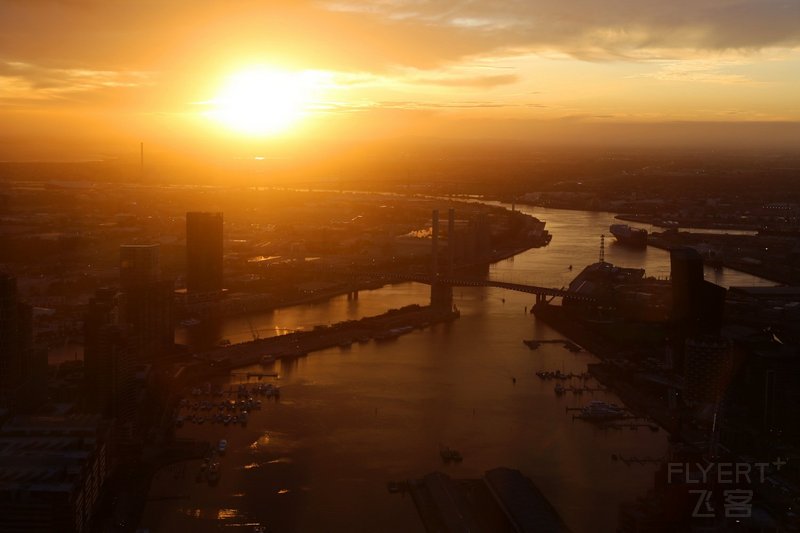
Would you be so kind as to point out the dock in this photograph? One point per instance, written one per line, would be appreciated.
(258, 375)
(628, 461)
(393, 324)
(558, 374)
(579, 390)
(503, 501)
(534, 344)
(630, 425)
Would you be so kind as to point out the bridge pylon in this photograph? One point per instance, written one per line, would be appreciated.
(441, 293)
(441, 296)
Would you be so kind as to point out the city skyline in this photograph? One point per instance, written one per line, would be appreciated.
(399, 266)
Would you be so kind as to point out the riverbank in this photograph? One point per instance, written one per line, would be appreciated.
(759, 265)
(606, 350)
(696, 223)
(642, 218)
(383, 327)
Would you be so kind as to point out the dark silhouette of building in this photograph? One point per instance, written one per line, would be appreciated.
(109, 357)
(708, 369)
(148, 299)
(139, 264)
(697, 312)
(697, 305)
(686, 272)
(15, 332)
(23, 368)
(52, 472)
(204, 252)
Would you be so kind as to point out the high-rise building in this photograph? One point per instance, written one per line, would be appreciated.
(148, 299)
(697, 305)
(9, 330)
(686, 272)
(204, 252)
(52, 472)
(109, 357)
(708, 369)
(16, 340)
(139, 264)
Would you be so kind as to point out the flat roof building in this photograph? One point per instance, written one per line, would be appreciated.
(52, 470)
(204, 252)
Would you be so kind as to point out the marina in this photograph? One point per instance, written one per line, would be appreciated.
(228, 406)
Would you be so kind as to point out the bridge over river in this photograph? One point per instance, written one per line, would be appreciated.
(442, 283)
(456, 281)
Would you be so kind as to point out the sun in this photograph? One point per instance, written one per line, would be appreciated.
(265, 101)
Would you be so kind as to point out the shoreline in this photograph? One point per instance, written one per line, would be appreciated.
(384, 327)
(555, 317)
(738, 267)
(648, 219)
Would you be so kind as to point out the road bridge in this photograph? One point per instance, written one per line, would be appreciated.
(455, 281)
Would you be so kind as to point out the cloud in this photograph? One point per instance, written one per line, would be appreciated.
(595, 29)
(378, 35)
(420, 105)
(484, 82)
(703, 71)
(25, 82)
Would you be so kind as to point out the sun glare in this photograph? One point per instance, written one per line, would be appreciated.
(265, 101)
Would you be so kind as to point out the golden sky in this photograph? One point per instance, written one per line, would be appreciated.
(99, 75)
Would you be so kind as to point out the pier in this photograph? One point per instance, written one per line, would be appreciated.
(534, 344)
(628, 461)
(258, 375)
(389, 325)
(631, 425)
(578, 390)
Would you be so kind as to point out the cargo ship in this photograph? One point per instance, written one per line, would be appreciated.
(625, 234)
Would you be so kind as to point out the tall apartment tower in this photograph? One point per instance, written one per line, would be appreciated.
(707, 370)
(203, 252)
(15, 334)
(109, 356)
(148, 299)
(139, 264)
(22, 368)
(697, 305)
(697, 313)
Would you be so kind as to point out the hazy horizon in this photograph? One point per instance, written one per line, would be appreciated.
(81, 78)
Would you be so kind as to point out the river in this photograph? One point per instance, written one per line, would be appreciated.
(349, 420)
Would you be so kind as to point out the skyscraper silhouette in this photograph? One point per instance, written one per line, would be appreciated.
(148, 299)
(20, 363)
(139, 264)
(204, 252)
(697, 305)
(108, 355)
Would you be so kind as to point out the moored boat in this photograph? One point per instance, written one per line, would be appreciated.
(629, 236)
(600, 410)
(450, 455)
